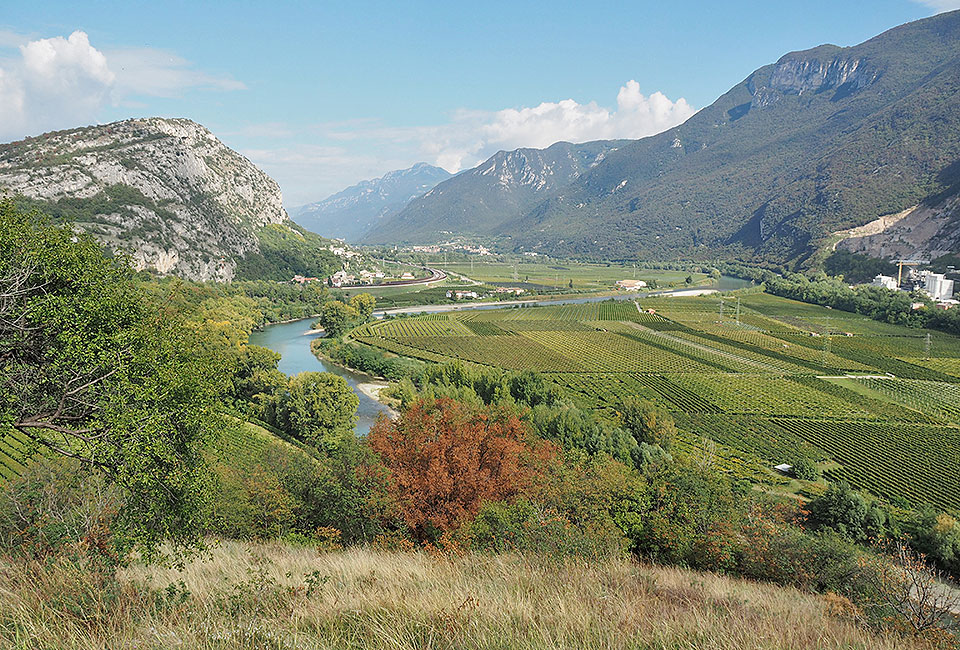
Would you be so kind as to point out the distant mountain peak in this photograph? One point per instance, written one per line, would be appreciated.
(351, 212)
(501, 188)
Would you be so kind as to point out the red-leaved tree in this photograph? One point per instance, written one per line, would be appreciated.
(446, 459)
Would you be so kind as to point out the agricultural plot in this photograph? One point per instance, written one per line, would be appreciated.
(767, 383)
(940, 398)
(947, 366)
(408, 327)
(910, 462)
(15, 455)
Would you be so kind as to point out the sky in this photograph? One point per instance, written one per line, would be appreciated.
(321, 95)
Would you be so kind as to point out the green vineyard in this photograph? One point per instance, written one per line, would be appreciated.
(753, 381)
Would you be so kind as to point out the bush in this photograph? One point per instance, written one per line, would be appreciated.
(530, 528)
(806, 470)
(846, 511)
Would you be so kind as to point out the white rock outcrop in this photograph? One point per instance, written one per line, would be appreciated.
(166, 191)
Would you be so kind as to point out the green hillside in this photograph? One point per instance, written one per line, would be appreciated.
(824, 139)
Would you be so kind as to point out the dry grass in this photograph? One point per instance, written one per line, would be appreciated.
(256, 596)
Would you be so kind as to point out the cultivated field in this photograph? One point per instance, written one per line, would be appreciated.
(556, 274)
(877, 405)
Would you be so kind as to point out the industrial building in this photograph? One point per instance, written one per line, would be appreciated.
(939, 287)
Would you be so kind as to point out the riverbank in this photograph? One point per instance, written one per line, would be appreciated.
(292, 342)
(373, 390)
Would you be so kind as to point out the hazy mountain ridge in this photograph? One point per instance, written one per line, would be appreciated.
(824, 139)
(165, 190)
(350, 213)
(478, 201)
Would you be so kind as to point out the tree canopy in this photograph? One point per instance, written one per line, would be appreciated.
(92, 371)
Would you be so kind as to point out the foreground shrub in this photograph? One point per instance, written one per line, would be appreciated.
(59, 509)
(530, 528)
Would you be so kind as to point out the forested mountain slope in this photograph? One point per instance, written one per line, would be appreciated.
(823, 139)
(481, 200)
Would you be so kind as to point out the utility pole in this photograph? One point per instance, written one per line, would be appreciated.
(738, 311)
(926, 347)
(826, 343)
(721, 311)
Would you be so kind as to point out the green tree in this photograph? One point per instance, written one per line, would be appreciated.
(364, 303)
(317, 408)
(805, 469)
(255, 376)
(336, 318)
(647, 422)
(845, 510)
(650, 458)
(89, 369)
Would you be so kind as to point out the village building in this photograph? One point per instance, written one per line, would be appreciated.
(885, 281)
(461, 295)
(631, 285)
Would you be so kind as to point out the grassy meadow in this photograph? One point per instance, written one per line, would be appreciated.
(244, 595)
(559, 274)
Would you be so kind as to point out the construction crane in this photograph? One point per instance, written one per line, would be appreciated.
(902, 263)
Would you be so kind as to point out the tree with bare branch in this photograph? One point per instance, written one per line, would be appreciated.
(91, 371)
(912, 591)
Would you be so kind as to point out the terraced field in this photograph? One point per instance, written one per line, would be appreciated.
(752, 381)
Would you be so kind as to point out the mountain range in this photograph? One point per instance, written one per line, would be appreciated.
(350, 213)
(168, 193)
(503, 188)
(850, 147)
(779, 167)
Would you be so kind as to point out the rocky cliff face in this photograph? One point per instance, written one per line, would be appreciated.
(925, 231)
(823, 69)
(166, 191)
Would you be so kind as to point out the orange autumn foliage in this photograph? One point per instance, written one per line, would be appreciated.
(446, 459)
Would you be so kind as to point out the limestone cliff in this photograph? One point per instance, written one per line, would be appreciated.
(166, 191)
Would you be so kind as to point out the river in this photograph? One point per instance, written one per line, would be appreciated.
(292, 342)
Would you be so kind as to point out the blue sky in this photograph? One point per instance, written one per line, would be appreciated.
(324, 94)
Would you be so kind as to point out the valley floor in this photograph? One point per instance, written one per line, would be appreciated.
(245, 595)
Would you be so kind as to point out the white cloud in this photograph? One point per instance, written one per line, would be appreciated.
(65, 82)
(158, 73)
(61, 79)
(940, 5)
(472, 136)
